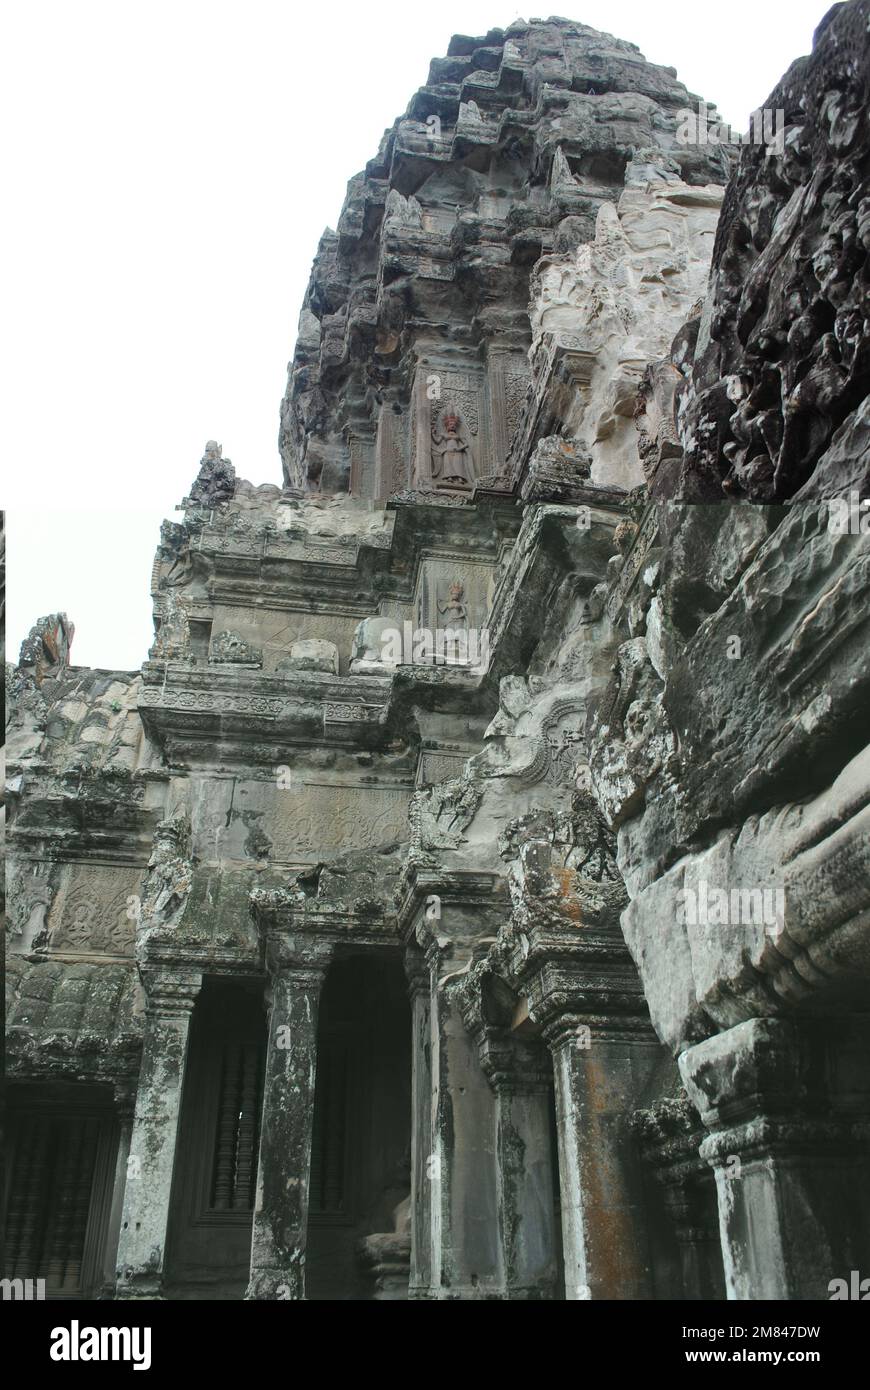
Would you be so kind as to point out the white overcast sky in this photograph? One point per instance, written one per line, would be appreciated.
(168, 169)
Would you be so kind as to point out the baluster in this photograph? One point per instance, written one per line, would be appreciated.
(83, 1179)
(37, 1187)
(333, 1195)
(226, 1132)
(19, 1221)
(66, 1145)
(242, 1192)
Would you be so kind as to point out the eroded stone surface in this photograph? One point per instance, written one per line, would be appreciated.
(778, 362)
(501, 684)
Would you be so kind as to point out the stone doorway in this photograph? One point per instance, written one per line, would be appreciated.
(61, 1146)
(214, 1184)
(360, 1163)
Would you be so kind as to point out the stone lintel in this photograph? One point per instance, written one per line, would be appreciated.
(282, 920)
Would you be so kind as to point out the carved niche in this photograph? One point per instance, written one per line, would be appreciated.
(452, 594)
(172, 620)
(450, 451)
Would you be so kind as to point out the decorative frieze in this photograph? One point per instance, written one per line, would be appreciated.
(94, 911)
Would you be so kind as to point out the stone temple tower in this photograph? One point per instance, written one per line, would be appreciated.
(468, 899)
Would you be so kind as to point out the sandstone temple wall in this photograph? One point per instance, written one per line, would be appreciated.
(470, 896)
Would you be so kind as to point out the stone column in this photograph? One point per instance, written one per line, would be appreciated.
(508, 378)
(466, 1256)
(417, 973)
(600, 1069)
(692, 1208)
(787, 1106)
(671, 1132)
(521, 1079)
(281, 1208)
(170, 998)
(125, 1107)
(457, 1251)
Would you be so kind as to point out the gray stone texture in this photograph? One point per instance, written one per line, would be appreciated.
(611, 831)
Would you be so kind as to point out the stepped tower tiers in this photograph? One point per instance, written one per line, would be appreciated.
(470, 896)
(546, 151)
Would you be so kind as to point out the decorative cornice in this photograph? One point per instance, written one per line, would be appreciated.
(459, 887)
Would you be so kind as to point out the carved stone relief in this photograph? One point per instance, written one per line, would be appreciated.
(94, 911)
(325, 819)
(452, 593)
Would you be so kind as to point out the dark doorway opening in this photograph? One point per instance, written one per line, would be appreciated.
(214, 1184)
(360, 1163)
(61, 1150)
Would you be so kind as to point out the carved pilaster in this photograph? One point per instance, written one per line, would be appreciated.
(362, 465)
(508, 381)
(592, 1015)
(787, 1107)
(296, 974)
(520, 1075)
(670, 1133)
(456, 1250)
(170, 999)
(391, 452)
(125, 1109)
(419, 992)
